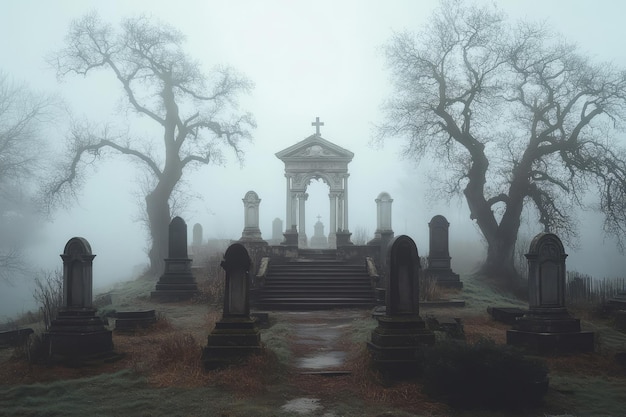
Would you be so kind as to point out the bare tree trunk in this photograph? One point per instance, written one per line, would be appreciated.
(159, 216)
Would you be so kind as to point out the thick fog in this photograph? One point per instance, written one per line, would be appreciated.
(307, 59)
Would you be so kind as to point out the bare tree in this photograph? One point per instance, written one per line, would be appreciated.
(22, 115)
(196, 114)
(48, 293)
(514, 116)
(360, 235)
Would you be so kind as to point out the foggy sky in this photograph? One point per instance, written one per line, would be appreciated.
(307, 59)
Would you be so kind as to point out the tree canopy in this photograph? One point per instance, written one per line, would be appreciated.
(197, 113)
(516, 116)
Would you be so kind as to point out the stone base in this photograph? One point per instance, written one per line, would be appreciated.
(549, 343)
(445, 277)
(396, 344)
(506, 315)
(343, 239)
(291, 239)
(177, 283)
(78, 335)
(550, 330)
(232, 340)
(130, 321)
(12, 338)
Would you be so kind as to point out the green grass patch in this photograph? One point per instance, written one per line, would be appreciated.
(479, 295)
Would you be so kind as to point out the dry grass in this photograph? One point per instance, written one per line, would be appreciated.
(484, 327)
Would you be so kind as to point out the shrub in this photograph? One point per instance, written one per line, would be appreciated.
(48, 293)
(483, 375)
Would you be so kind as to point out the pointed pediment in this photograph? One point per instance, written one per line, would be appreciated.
(315, 148)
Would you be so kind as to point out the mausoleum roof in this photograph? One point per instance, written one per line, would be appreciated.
(315, 148)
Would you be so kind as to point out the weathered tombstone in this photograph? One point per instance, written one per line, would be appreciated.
(319, 240)
(547, 327)
(383, 218)
(177, 282)
(77, 333)
(401, 332)
(197, 235)
(251, 231)
(439, 255)
(236, 335)
(277, 231)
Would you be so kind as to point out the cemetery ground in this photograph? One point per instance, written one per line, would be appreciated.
(314, 364)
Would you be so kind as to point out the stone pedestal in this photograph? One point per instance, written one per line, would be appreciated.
(233, 339)
(78, 335)
(177, 283)
(396, 344)
(291, 237)
(550, 332)
(343, 238)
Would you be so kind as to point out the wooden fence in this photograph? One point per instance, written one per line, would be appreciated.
(583, 288)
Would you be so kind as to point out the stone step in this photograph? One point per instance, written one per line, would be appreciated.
(314, 303)
(315, 281)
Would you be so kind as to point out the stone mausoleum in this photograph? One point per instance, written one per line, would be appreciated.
(316, 158)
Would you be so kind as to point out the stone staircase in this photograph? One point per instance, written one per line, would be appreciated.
(316, 280)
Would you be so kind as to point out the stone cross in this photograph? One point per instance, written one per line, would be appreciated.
(317, 125)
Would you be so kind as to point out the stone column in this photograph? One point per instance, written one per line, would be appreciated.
(332, 232)
(294, 210)
(345, 203)
(340, 212)
(385, 201)
(302, 239)
(288, 199)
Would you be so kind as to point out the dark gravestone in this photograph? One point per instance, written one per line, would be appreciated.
(547, 327)
(236, 335)
(177, 282)
(77, 333)
(439, 255)
(401, 333)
